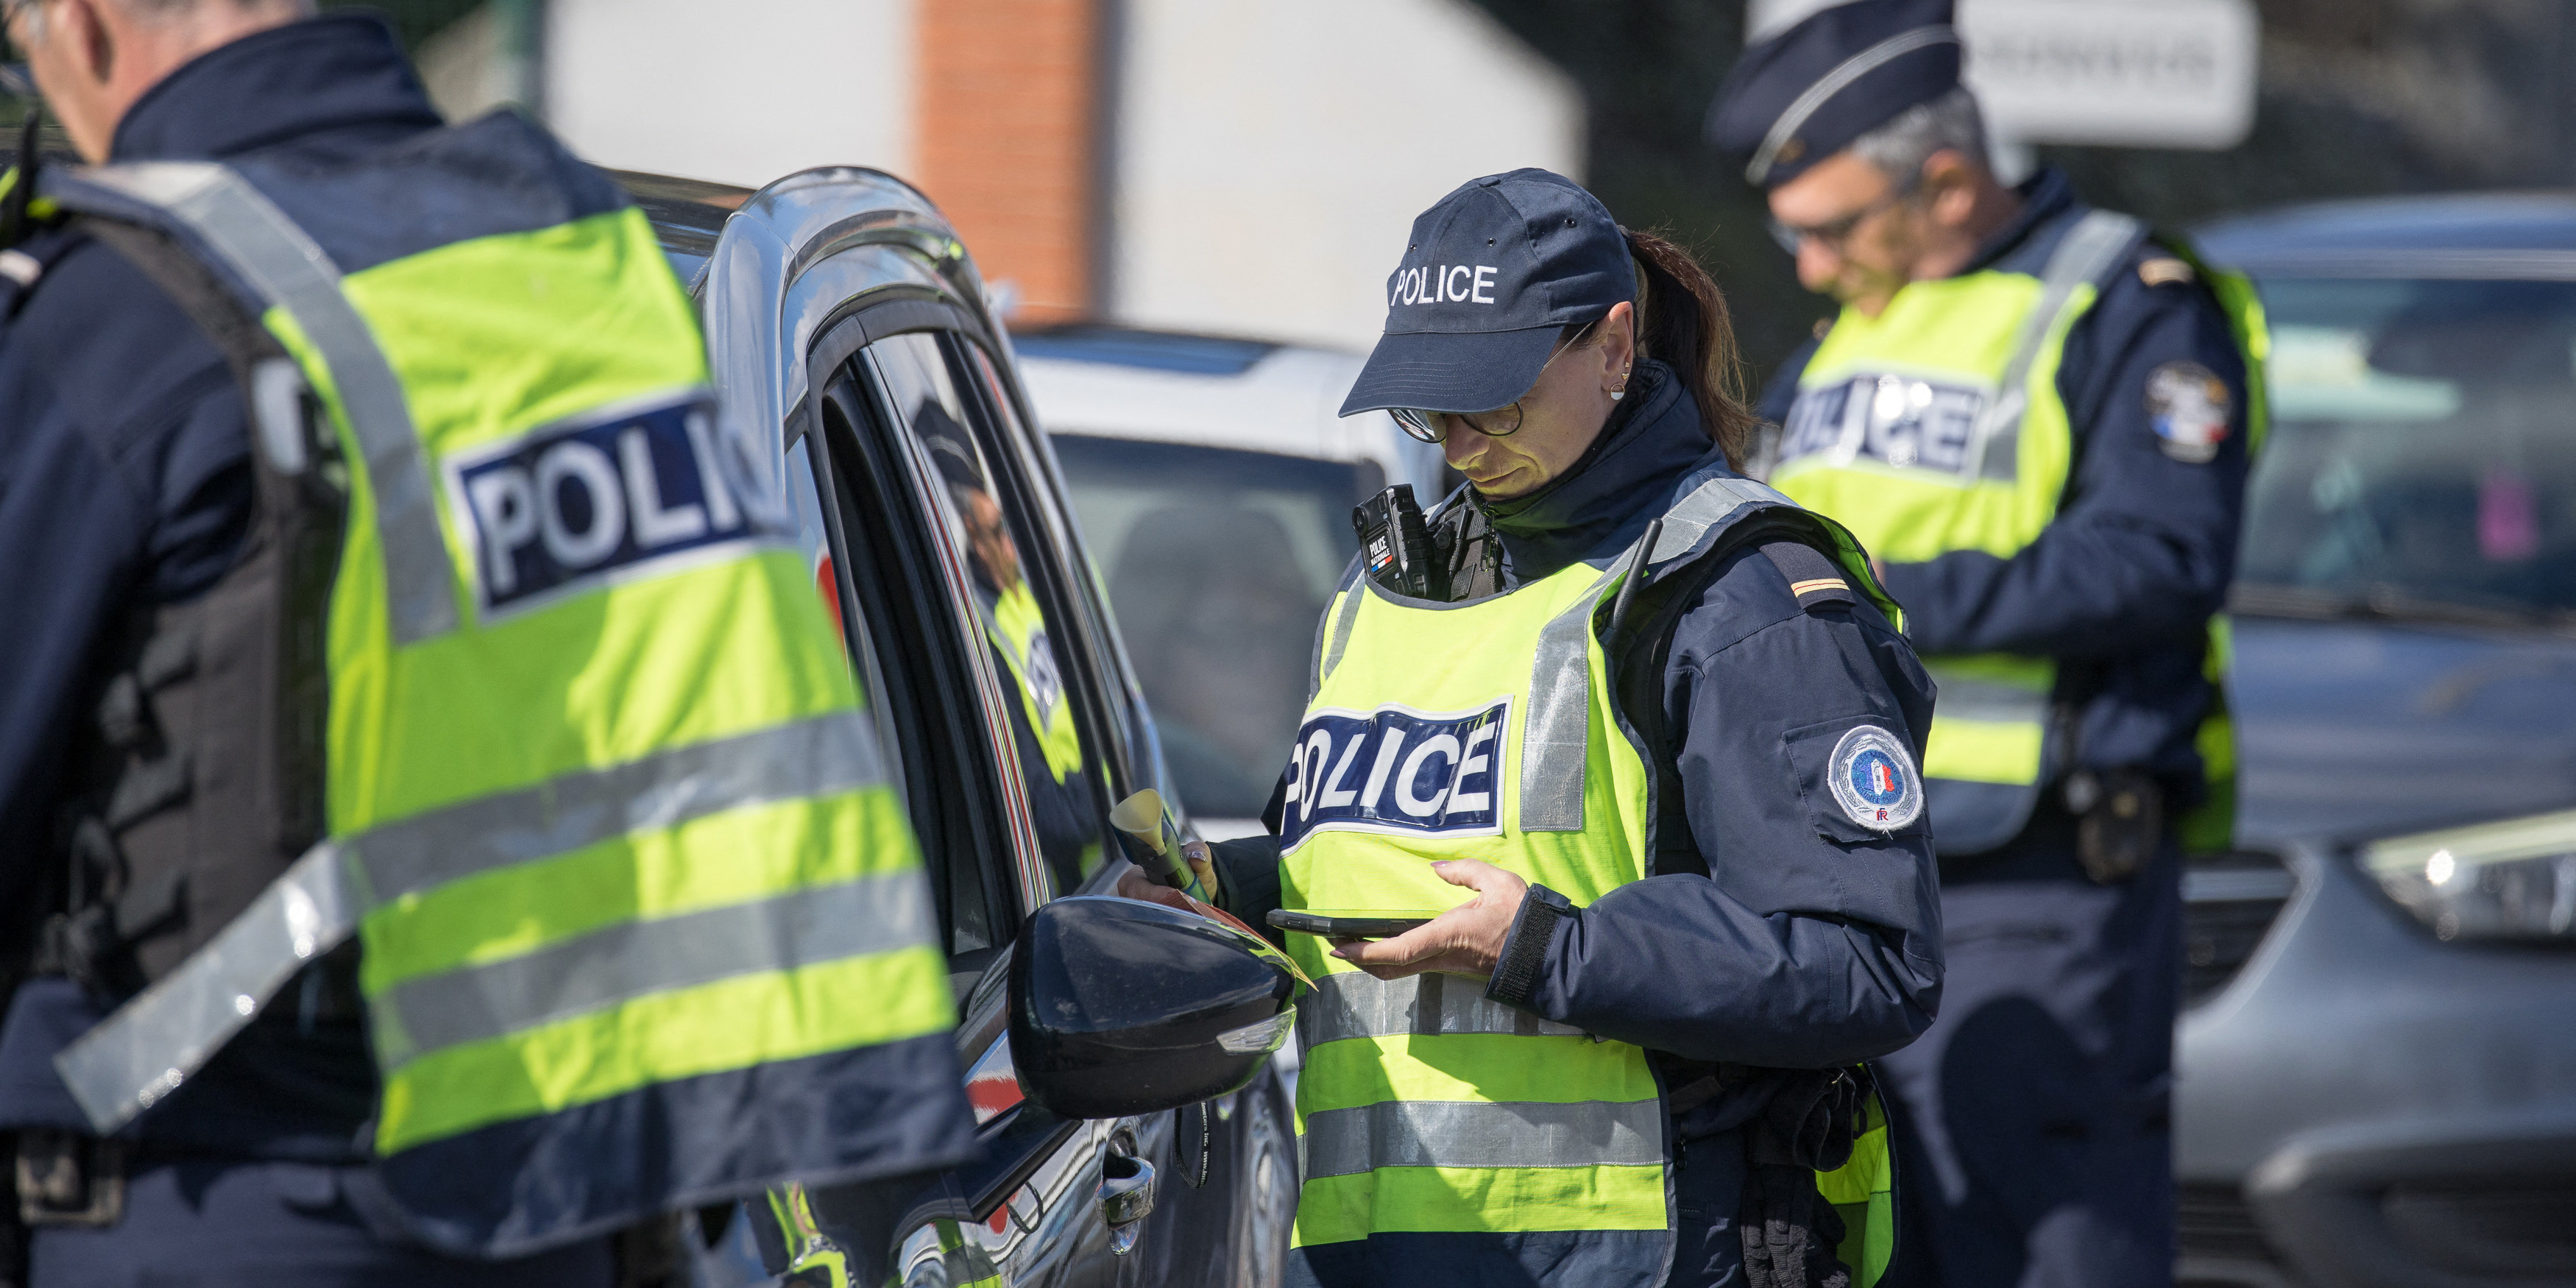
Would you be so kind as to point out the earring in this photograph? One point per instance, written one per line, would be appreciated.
(1622, 390)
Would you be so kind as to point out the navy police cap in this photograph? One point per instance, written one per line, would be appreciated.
(1805, 94)
(1492, 273)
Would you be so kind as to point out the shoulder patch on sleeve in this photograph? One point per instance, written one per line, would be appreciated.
(1873, 779)
(1816, 580)
(2165, 270)
(2189, 406)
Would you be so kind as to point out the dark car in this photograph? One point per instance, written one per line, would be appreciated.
(843, 315)
(2377, 1078)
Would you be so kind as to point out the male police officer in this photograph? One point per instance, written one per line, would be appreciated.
(2037, 417)
(378, 571)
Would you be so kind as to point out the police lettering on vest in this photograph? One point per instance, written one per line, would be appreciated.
(571, 505)
(1395, 770)
(1896, 420)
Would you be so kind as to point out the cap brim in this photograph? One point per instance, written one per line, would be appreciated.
(1451, 371)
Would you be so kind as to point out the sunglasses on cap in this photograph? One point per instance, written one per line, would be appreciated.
(1501, 422)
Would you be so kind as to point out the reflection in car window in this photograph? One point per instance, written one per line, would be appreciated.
(1220, 564)
(2422, 450)
(1055, 763)
(804, 499)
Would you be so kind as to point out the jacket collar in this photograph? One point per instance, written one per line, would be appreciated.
(341, 76)
(2046, 198)
(1600, 505)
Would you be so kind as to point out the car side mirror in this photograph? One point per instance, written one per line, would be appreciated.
(1121, 1007)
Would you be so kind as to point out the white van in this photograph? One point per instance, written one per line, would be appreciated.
(1214, 485)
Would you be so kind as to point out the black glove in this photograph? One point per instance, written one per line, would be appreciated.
(1790, 1232)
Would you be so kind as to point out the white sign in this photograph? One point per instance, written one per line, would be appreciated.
(2141, 73)
(2164, 73)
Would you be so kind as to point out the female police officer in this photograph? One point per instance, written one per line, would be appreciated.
(1645, 742)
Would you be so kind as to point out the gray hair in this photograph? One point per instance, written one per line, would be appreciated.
(1900, 147)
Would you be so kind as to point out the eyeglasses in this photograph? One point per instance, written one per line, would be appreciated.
(1834, 233)
(1501, 422)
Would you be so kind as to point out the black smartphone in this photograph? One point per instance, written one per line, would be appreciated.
(1308, 923)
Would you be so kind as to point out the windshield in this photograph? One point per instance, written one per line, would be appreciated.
(2422, 457)
(1219, 563)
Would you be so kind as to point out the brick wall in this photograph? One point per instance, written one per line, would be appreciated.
(1007, 141)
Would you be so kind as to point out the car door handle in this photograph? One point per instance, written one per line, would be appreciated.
(1126, 1198)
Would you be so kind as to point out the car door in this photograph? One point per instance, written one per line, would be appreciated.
(1226, 1166)
(840, 308)
(930, 407)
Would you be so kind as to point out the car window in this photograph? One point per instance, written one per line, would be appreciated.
(2421, 451)
(923, 375)
(901, 594)
(1104, 679)
(1219, 564)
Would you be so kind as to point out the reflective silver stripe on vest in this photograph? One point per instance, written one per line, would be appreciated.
(1986, 700)
(165, 1034)
(813, 757)
(633, 959)
(1356, 1004)
(2084, 254)
(1452, 1133)
(1693, 515)
(1552, 744)
(156, 1041)
(279, 260)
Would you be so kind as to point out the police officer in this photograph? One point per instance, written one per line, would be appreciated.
(1642, 746)
(2036, 415)
(379, 576)
(1050, 750)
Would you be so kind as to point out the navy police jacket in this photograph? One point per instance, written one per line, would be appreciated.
(2118, 586)
(125, 482)
(1761, 940)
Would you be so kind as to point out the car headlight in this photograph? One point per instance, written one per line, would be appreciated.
(2509, 880)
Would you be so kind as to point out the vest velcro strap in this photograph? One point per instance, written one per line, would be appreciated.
(632, 959)
(1453, 1133)
(1356, 1004)
(280, 263)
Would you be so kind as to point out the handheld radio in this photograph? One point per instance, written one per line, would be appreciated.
(1397, 544)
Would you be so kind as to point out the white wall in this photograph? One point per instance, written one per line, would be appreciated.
(1271, 156)
(739, 92)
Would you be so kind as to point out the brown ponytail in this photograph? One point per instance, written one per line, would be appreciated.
(1682, 322)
